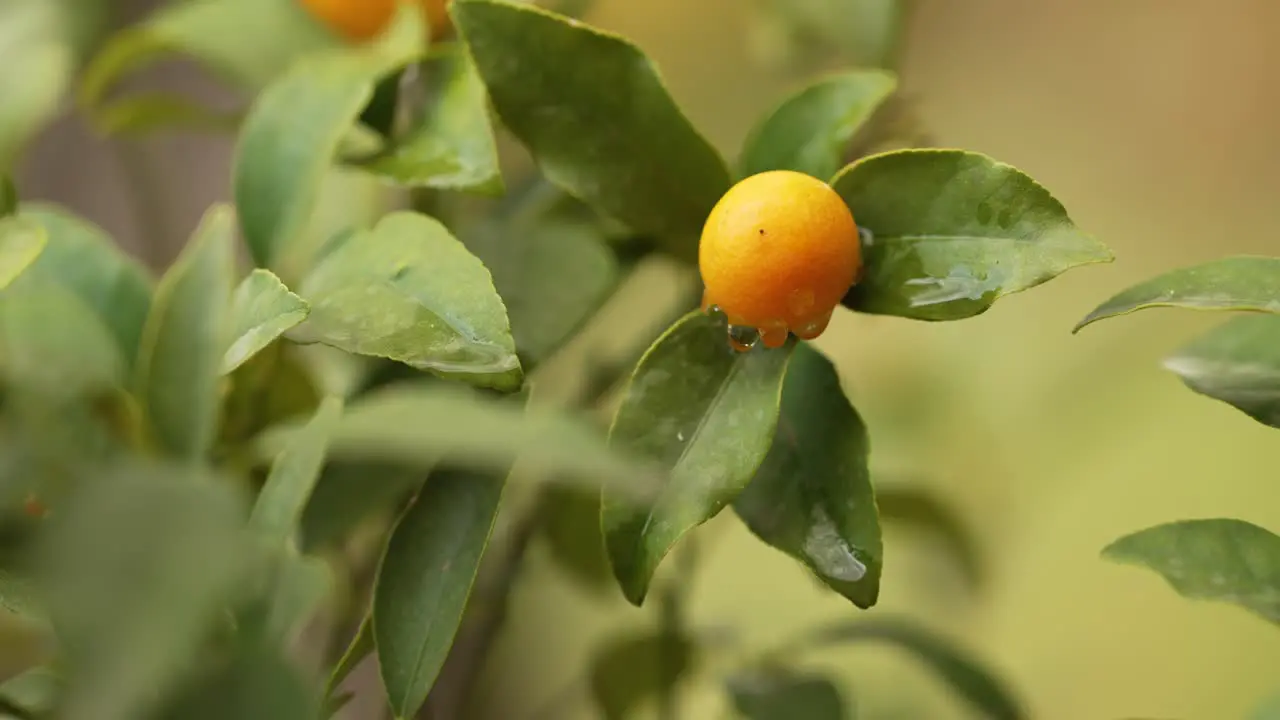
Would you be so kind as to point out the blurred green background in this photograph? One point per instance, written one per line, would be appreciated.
(1154, 122)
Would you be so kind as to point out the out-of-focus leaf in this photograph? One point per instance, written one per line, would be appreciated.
(1234, 283)
(706, 414)
(809, 131)
(25, 636)
(867, 32)
(571, 526)
(293, 476)
(274, 386)
(954, 231)
(262, 309)
(407, 290)
(256, 683)
(37, 60)
(292, 132)
(185, 340)
(300, 584)
(82, 257)
(357, 650)
(246, 42)
(349, 493)
(161, 111)
(812, 496)
(592, 110)
(425, 579)
(138, 564)
(1218, 559)
(34, 691)
(1237, 363)
(21, 242)
(773, 694)
(918, 508)
(628, 670)
(961, 670)
(452, 145)
(1268, 709)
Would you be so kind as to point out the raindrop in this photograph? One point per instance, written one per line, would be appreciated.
(742, 338)
(866, 236)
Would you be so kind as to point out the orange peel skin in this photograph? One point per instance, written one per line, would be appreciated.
(363, 20)
(778, 252)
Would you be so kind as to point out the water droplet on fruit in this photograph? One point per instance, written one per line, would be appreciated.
(742, 338)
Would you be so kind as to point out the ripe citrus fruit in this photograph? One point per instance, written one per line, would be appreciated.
(361, 20)
(777, 254)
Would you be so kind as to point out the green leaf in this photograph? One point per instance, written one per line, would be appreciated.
(108, 605)
(21, 242)
(963, 672)
(707, 414)
(631, 669)
(262, 309)
(812, 496)
(866, 32)
(150, 112)
(1243, 282)
(246, 42)
(25, 637)
(293, 475)
(37, 60)
(185, 339)
(425, 579)
(299, 585)
(954, 231)
(918, 508)
(408, 291)
(591, 108)
(86, 260)
(34, 691)
(349, 493)
(1268, 709)
(1218, 559)
(810, 130)
(293, 130)
(451, 146)
(1237, 363)
(571, 527)
(357, 650)
(784, 695)
(256, 683)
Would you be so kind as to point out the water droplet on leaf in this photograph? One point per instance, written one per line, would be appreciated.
(742, 338)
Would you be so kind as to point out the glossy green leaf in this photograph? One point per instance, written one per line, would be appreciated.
(812, 496)
(360, 647)
(1218, 559)
(917, 508)
(293, 475)
(425, 425)
(630, 669)
(262, 309)
(707, 414)
(451, 146)
(108, 605)
(976, 684)
(21, 242)
(408, 291)
(1237, 363)
(810, 130)
(185, 340)
(294, 128)
(255, 683)
(954, 231)
(558, 87)
(82, 257)
(772, 694)
(425, 579)
(246, 42)
(37, 60)
(1234, 283)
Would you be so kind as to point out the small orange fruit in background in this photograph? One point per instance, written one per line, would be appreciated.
(778, 253)
(363, 20)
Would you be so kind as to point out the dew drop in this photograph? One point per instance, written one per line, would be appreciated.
(867, 237)
(742, 338)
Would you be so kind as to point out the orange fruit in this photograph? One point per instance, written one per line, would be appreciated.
(778, 253)
(363, 20)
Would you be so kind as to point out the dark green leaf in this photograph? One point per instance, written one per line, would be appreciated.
(783, 695)
(357, 650)
(571, 526)
(293, 475)
(21, 242)
(707, 414)
(349, 493)
(962, 671)
(592, 110)
(953, 232)
(451, 146)
(1223, 560)
(809, 131)
(138, 565)
(185, 339)
(8, 195)
(87, 261)
(812, 496)
(292, 133)
(1234, 283)
(425, 579)
(629, 670)
(262, 309)
(255, 684)
(409, 291)
(1237, 363)
(918, 508)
